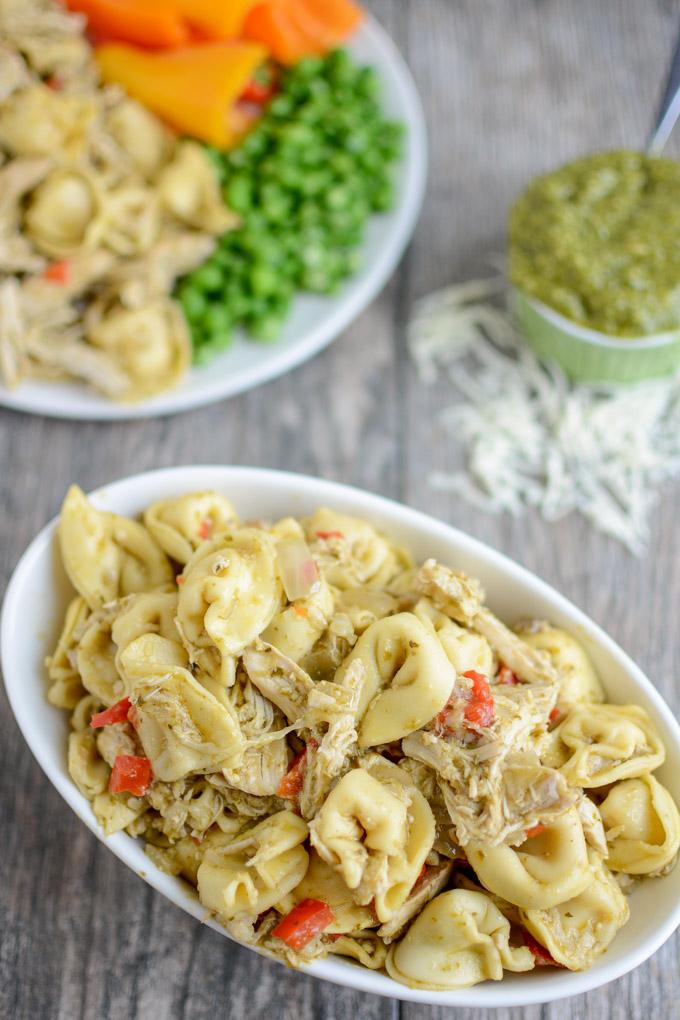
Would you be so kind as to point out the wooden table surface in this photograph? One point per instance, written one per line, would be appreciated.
(510, 88)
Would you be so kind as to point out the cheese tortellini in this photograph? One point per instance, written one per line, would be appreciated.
(180, 525)
(376, 829)
(605, 743)
(229, 593)
(642, 826)
(579, 930)
(107, 556)
(545, 870)
(346, 754)
(407, 678)
(577, 677)
(460, 939)
(252, 872)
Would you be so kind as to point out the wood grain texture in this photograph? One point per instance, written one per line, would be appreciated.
(511, 88)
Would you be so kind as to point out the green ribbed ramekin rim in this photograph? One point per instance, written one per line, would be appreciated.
(589, 356)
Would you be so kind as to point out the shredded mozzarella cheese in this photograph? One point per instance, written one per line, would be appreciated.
(532, 438)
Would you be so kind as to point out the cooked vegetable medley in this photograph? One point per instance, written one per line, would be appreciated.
(106, 202)
(305, 182)
(345, 753)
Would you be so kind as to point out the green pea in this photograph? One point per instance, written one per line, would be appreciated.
(216, 319)
(265, 327)
(193, 302)
(263, 280)
(208, 278)
(281, 107)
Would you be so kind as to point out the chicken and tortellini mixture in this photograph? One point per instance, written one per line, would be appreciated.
(348, 753)
(102, 208)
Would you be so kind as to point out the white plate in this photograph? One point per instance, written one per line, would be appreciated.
(32, 615)
(314, 321)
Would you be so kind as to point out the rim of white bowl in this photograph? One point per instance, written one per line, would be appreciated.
(513, 992)
(224, 381)
(593, 336)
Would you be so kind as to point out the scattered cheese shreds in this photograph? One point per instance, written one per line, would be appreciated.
(533, 439)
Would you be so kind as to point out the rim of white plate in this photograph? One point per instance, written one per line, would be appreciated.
(304, 490)
(221, 379)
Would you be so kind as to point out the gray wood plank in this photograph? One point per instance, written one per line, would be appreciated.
(510, 88)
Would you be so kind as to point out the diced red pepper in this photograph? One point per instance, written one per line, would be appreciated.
(54, 83)
(115, 714)
(535, 830)
(133, 716)
(179, 579)
(541, 955)
(478, 711)
(258, 92)
(506, 676)
(131, 773)
(58, 272)
(325, 535)
(554, 714)
(304, 922)
(205, 529)
(291, 784)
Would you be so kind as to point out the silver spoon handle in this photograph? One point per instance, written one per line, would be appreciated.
(669, 110)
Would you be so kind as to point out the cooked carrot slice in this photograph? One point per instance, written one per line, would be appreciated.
(270, 23)
(133, 22)
(339, 18)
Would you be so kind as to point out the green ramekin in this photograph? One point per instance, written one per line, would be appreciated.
(589, 356)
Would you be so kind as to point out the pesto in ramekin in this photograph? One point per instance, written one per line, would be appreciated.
(599, 241)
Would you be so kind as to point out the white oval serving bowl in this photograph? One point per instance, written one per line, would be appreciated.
(314, 320)
(31, 618)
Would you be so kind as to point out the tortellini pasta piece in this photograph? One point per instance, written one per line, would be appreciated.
(151, 344)
(376, 829)
(182, 727)
(365, 947)
(545, 870)
(107, 556)
(88, 771)
(37, 121)
(66, 688)
(179, 525)
(229, 594)
(253, 872)
(579, 930)
(296, 629)
(465, 649)
(322, 882)
(577, 677)
(144, 139)
(606, 743)
(407, 678)
(184, 857)
(115, 813)
(96, 659)
(64, 212)
(351, 551)
(642, 826)
(460, 939)
(146, 635)
(190, 190)
(131, 220)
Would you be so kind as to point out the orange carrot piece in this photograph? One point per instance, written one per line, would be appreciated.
(329, 21)
(271, 24)
(195, 89)
(128, 21)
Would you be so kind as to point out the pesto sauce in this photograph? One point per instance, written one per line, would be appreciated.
(599, 241)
